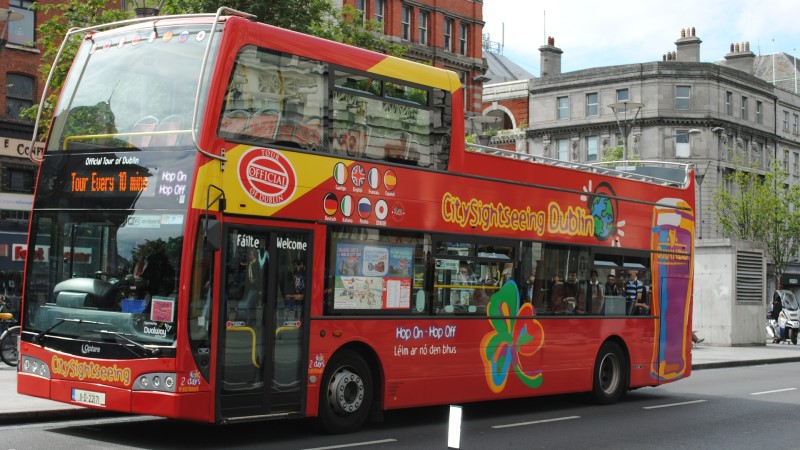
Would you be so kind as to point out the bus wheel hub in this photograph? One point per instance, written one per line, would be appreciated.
(345, 392)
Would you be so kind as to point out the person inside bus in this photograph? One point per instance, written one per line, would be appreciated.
(634, 291)
(294, 288)
(154, 268)
(560, 301)
(592, 294)
(611, 287)
(254, 285)
(460, 296)
(533, 290)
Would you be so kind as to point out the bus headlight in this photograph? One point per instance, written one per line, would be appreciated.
(35, 366)
(157, 382)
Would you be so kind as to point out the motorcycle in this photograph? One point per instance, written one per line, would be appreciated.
(783, 321)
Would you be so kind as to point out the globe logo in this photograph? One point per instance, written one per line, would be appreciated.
(604, 211)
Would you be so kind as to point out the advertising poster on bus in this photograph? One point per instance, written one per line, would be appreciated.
(373, 277)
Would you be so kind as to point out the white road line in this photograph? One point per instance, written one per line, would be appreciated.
(354, 444)
(521, 424)
(772, 392)
(674, 404)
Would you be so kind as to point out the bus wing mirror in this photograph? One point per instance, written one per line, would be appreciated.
(212, 236)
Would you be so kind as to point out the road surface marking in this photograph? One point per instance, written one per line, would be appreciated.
(536, 422)
(673, 404)
(354, 444)
(772, 392)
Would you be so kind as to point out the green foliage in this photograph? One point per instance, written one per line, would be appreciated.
(346, 25)
(68, 14)
(612, 154)
(761, 207)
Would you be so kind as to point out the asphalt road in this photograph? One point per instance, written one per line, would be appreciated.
(731, 408)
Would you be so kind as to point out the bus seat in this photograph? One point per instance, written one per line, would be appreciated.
(172, 122)
(141, 131)
(234, 122)
(264, 124)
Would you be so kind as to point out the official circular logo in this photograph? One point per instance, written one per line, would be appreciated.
(267, 176)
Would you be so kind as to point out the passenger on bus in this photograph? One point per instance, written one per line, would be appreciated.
(611, 287)
(592, 294)
(634, 290)
(533, 290)
(293, 289)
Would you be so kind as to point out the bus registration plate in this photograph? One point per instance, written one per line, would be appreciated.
(88, 397)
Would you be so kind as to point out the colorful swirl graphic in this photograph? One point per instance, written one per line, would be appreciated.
(514, 341)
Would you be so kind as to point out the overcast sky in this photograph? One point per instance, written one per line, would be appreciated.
(609, 32)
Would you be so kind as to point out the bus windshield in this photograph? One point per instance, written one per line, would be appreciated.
(116, 270)
(134, 89)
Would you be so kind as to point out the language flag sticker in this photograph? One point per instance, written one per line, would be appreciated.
(358, 176)
(330, 204)
(347, 205)
(374, 178)
(389, 180)
(364, 208)
(381, 209)
(339, 173)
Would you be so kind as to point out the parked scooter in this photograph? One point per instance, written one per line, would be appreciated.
(783, 320)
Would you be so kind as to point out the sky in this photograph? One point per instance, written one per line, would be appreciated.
(600, 33)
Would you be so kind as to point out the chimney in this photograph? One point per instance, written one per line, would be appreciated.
(550, 59)
(688, 46)
(741, 58)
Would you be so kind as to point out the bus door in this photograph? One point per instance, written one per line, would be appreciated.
(263, 311)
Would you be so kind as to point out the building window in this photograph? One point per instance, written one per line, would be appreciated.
(591, 148)
(729, 103)
(682, 146)
(463, 38)
(20, 32)
(379, 11)
(744, 108)
(759, 112)
(423, 27)
(406, 23)
(796, 166)
(683, 97)
(622, 96)
(563, 108)
(796, 126)
(448, 34)
(591, 104)
(786, 121)
(18, 180)
(562, 147)
(361, 6)
(19, 94)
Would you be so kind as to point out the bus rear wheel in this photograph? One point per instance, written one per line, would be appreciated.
(610, 376)
(346, 395)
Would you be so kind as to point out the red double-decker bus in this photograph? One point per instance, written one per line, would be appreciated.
(237, 222)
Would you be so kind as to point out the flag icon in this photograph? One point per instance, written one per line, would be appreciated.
(381, 209)
(330, 204)
(389, 180)
(358, 175)
(374, 178)
(364, 208)
(339, 173)
(347, 205)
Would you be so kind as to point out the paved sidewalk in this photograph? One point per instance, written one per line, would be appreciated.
(16, 407)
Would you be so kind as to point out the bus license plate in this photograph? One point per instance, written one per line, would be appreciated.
(89, 397)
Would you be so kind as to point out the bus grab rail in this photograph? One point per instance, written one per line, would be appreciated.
(622, 169)
(95, 28)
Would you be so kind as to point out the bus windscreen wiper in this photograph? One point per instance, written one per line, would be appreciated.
(147, 350)
(40, 337)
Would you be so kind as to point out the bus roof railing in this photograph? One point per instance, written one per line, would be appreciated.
(663, 173)
(121, 23)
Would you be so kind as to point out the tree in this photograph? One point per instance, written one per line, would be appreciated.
(762, 208)
(68, 14)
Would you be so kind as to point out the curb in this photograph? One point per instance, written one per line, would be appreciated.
(751, 362)
(44, 415)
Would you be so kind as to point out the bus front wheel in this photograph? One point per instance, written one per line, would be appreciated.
(610, 374)
(346, 395)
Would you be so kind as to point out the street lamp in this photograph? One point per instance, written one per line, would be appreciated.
(6, 15)
(625, 107)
